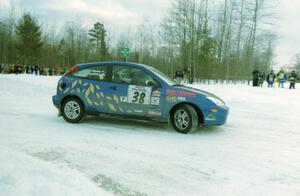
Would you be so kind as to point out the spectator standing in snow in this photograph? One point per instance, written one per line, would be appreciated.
(50, 71)
(41, 70)
(271, 78)
(1, 68)
(281, 76)
(179, 75)
(26, 69)
(293, 79)
(29, 69)
(185, 75)
(17, 69)
(255, 76)
(261, 78)
(35, 69)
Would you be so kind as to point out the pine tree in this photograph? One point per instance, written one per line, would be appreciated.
(29, 42)
(98, 34)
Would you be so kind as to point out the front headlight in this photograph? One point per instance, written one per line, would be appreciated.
(216, 101)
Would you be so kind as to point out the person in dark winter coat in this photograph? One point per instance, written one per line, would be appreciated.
(255, 76)
(36, 70)
(293, 79)
(271, 78)
(179, 75)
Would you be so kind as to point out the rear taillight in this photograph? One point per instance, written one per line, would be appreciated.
(74, 68)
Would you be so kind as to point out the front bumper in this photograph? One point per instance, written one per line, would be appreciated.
(216, 118)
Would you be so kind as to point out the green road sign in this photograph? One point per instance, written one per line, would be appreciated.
(125, 52)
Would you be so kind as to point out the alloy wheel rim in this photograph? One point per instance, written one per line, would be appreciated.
(181, 119)
(72, 110)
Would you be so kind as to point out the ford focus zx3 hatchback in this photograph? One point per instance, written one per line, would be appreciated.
(134, 91)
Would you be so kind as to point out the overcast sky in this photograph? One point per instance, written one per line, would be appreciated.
(120, 14)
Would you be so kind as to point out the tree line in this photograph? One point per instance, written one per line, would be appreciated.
(209, 41)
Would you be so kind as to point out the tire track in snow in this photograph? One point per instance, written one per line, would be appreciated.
(58, 156)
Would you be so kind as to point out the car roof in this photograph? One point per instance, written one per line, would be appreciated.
(131, 64)
(83, 65)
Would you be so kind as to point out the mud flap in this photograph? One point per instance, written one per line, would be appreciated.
(59, 113)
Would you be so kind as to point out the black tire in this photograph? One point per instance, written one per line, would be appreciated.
(72, 110)
(184, 119)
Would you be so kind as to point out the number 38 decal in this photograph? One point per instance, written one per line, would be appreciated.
(139, 94)
(138, 97)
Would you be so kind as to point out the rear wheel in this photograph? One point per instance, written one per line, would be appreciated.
(72, 110)
(184, 119)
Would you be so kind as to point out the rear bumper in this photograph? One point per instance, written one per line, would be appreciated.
(56, 101)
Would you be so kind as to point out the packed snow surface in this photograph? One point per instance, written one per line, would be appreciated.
(256, 153)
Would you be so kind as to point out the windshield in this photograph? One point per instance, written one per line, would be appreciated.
(164, 77)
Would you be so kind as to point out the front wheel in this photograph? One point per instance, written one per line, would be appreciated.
(72, 110)
(184, 119)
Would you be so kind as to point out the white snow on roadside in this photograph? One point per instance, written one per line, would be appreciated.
(23, 175)
(255, 153)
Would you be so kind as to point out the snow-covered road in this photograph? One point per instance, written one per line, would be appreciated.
(256, 153)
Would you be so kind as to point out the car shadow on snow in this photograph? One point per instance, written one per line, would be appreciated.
(127, 124)
(144, 125)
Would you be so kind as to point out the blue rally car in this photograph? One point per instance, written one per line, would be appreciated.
(135, 91)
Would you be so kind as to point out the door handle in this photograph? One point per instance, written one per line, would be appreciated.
(114, 88)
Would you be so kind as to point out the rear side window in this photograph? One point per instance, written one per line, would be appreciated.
(99, 73)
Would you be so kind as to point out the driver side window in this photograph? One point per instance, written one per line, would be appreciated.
(132, 76)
